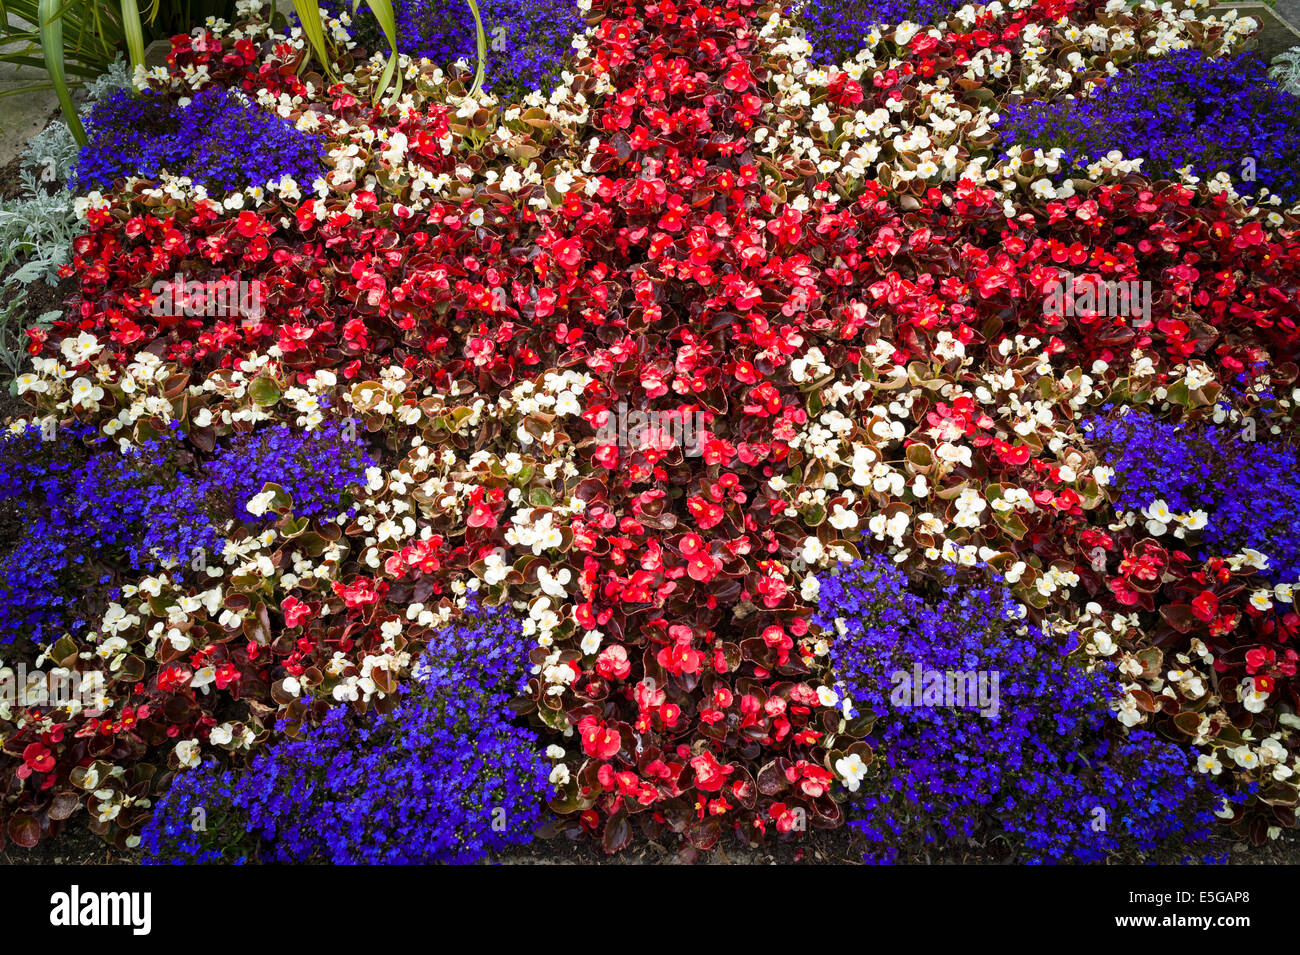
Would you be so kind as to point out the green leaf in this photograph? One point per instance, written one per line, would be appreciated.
(481, 40)
(134, 30)
(1011, 523)
(264, 390)
(383, 11)
(51, 27)
(309, 16)
(24, 830)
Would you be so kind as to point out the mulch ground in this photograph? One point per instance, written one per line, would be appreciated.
(77, 845)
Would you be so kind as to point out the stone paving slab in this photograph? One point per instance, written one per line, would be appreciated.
(25, 113)
(22, 116)
(1280, 25)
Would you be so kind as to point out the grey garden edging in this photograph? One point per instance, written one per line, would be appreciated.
(1278, 25)
(155, 54)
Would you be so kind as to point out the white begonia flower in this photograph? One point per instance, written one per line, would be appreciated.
(258, 503)
(852, 770)
(1158, 517)
(187, 753)
(1245, 757)
(843, 520)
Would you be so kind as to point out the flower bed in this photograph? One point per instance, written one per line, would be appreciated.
(598, 462)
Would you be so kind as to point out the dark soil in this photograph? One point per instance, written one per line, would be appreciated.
(77, 845)
(11, 176)
(9, 183)
(41, 298)
(843, 847)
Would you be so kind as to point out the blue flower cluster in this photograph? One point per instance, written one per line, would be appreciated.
(1177, 110)
(1030, 763)
(219, 139)
(316, 468)
(445, 777)
(527, 39)
(836, 28)
(87, 508)
(1249, 490)
(76, 506)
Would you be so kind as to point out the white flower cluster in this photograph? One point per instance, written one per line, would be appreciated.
(941, 136)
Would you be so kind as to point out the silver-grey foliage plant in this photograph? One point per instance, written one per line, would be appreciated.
(38, 226)
(1285, 70)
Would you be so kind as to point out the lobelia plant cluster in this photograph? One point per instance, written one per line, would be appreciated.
(838, 31)
(79, 506)
(1039, 774)
(319, 470)
(217, 139)
(840, 274)
(527, 39)
(1219, 117)
(1216, 485)
(444, 777)
(85, 503)
(1213, 560)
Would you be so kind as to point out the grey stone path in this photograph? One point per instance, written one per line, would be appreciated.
(22, 114)
(1281, 24)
